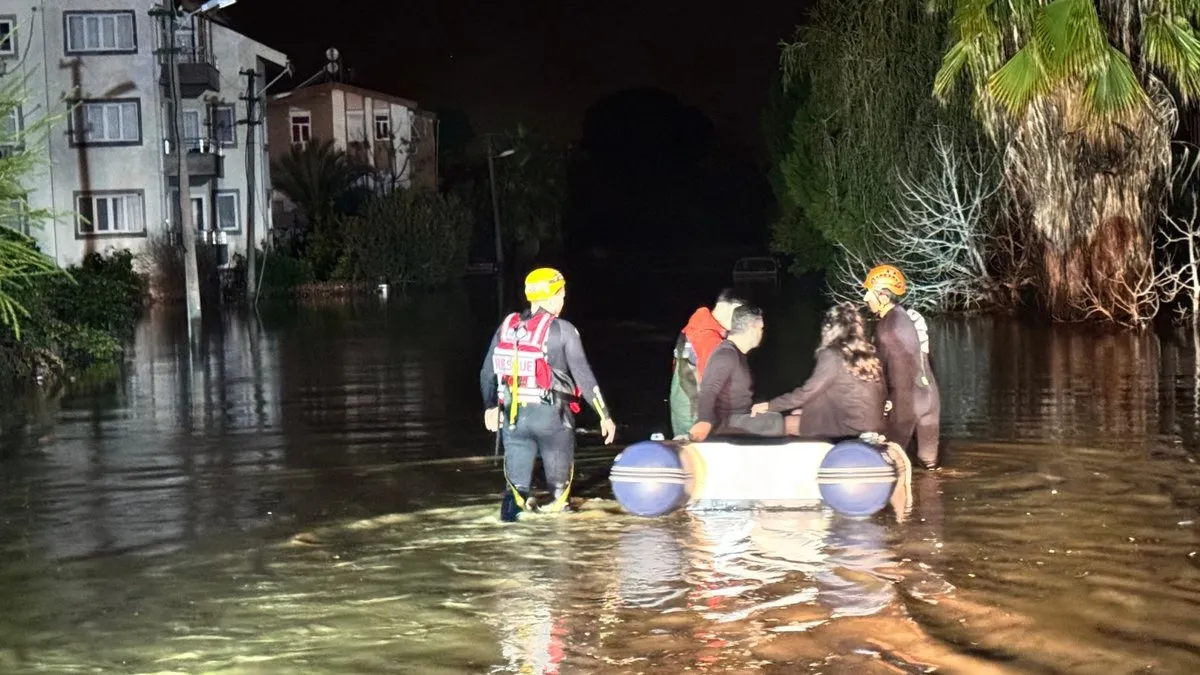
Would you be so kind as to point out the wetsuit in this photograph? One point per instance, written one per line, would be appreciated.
(726, 394)
(544, 427)
(911, 387)
(695, 344)
(834, 402)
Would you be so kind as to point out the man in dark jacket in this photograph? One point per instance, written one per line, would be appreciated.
(916, 405)
(727, 390)
(703, 332)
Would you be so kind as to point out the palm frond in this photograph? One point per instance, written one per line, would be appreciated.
(1170, 43)
(1114, 90)
(1019, 81)
(1070, 38)
(952, 65)
(20, 264)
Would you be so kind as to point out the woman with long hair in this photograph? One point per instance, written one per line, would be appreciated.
(845, 394)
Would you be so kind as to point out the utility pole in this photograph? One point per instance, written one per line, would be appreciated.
(191, 274)
(495, 208)
(251, 121)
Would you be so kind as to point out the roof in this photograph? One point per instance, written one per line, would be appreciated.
(325, 88)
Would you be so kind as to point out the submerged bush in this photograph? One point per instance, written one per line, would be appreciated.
(413, 236)
(74, 320)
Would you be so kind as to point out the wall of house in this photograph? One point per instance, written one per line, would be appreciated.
(137, 167)
(314, 103)
(51, 76)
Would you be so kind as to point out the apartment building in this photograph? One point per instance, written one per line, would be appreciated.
(112, 171)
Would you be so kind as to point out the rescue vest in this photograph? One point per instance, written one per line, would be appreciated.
(522, 370)
(922, 329)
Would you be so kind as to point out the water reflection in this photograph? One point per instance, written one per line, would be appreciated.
(1060, 536)
(1046, 383)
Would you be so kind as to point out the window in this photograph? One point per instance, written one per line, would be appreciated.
(191, 130)
(13, 216)
(227, 211)
(356, 126)
(8, 40)
(107, 123)
(198, 211)
(301, 130)
(10, 129)
(224, 126)
(383, 126)
(109, 213)
(100, 32)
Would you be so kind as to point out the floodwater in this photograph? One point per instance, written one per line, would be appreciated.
(313, 492)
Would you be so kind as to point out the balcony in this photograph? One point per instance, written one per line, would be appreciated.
(198, 74)
(204, 160)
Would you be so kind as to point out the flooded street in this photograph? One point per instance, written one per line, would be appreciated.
(314, 492)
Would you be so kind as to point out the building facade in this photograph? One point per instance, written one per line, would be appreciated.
(391, 136)
(112, 171)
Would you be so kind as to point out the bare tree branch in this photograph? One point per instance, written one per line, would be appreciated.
(940, 234)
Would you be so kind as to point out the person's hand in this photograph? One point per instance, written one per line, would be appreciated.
(759, 408)
(609, 429)
(700, 431)
(887, 407)
(491, 419)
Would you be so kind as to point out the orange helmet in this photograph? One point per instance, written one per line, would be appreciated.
(886, 276)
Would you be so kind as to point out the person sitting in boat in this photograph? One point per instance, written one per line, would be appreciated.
(844, 395)
(903, 343)
(727, 389)
(696, 342)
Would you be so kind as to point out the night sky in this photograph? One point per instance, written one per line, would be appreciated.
(542, 62)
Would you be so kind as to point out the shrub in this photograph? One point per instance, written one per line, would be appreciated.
(409, 237)
(74, 321)
(282, 274)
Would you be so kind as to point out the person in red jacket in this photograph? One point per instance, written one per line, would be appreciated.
(703, 332)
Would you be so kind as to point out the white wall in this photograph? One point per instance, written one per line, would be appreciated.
(49, 75)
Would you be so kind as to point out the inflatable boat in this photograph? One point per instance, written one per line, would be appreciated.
(854, 476)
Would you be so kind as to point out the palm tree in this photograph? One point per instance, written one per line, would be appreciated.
(316, 178)
(1080, 96)
(22, 264)
(324, 183)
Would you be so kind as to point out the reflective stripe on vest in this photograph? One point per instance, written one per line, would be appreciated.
(522, 345)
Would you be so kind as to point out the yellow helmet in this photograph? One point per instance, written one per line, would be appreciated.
(886, 276)
(543, 283)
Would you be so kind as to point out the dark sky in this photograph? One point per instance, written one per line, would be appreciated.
(540, 61)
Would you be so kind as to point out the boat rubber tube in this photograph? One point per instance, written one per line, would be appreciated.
(655, 478)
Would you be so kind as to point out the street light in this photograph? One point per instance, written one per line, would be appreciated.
(209, 6)
(495, 203)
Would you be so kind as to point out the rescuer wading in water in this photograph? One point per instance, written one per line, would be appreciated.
(903, 343)
(534, 370)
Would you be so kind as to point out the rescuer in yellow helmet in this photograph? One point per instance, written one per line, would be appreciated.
(533, 374)
(902, 339)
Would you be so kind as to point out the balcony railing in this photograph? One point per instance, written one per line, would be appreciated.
(194, 55)
(203, 157)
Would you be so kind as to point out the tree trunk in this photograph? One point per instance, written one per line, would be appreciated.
(1089, 196)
